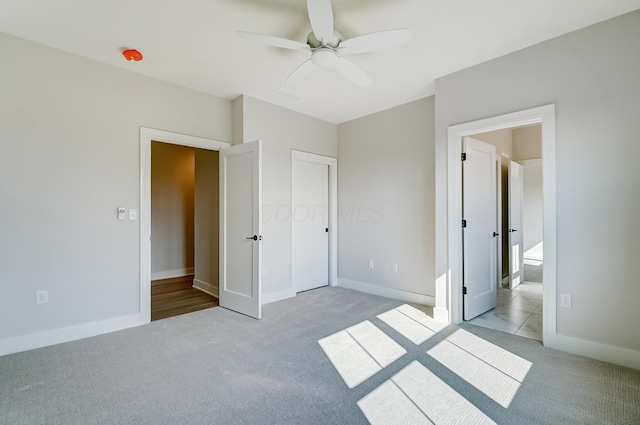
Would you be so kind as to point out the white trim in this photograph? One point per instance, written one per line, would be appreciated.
(207, 288)
(71, 333)
(168, 274)
(147, 135)
(441, 314)
(606, 353)
(272, 297)
(332, 163)
(544, 115)
(530, 162)
(384, 291)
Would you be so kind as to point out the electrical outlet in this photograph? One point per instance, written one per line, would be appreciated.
(394, 268)
(133, 214)
(565, 300)
(42, 297)
(371, 264)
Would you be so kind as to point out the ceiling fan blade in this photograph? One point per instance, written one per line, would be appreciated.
(300, 73)
(270, 40)
(375, 41)
(321, 17)
(353, 72)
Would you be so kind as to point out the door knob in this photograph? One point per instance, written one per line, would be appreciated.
(495, 234)
(513, 230)
(254, 237)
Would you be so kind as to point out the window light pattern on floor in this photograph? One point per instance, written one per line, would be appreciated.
(479, 363)
(415, 395)
(360, 352)
(403, 320)
(434, 402)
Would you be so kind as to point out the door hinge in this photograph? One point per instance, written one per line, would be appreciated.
(463, 156)
(464, 290)
(464, 223)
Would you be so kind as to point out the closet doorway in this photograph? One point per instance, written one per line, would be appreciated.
(184, 229)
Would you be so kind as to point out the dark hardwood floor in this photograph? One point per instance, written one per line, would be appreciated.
(171, 297)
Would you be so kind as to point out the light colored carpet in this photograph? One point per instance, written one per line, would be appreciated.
(218, 367)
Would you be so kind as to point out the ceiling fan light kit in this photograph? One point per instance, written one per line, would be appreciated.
(324, 57)
(327, 46)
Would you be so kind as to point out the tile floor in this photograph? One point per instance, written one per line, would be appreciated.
(519, 311)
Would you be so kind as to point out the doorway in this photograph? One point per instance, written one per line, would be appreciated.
(240, 188)
(310, 225)
(545, 116)
(184, 229)
(518, 303)
(313, 221)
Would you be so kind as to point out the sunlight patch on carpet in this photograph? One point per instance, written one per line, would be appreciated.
(422, 318)
(360, 352)
(408, 327)
(415, 387)
(387, 404)
(490, 369)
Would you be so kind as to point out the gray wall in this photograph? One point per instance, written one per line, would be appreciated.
(69, 156)
(527, 142)
(172, 197)
(207, 217)
(281, 130)
(501, 139)
(532, 209)
(527, 149)
(385, 195)
(592, 77)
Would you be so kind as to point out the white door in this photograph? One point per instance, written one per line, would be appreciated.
(240, 246)
(480, 234)
(516, 253)
(310, 224)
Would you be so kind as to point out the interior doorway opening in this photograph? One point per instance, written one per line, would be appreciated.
(545, 116)
(520, 259)
(147, 137)
(184, 229)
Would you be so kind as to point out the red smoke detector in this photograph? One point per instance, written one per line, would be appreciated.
(132, 55)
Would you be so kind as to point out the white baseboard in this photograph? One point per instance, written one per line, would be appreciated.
(71, 333)
(168, 274)
(383, 291)
(271, 297)
(441, 314)
(594, 350)
(207, 288)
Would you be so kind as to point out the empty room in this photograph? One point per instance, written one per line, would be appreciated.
(375, 212)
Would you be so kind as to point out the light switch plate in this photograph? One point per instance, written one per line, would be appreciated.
(133, 214)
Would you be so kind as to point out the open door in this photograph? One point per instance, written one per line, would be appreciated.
(240, 222)
(516, 252)
(479, 180)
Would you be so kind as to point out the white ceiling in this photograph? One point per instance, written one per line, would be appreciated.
(192, 43)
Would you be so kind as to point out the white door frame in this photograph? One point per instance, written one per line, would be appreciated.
(147, 135)
(333, 208)
(544, 115)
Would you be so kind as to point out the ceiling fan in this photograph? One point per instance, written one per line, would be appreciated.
(327, 46)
